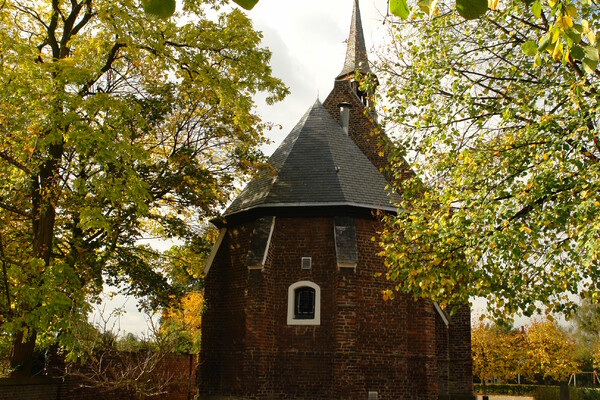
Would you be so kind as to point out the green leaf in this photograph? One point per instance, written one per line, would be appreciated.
(159, 8)
(544, 42)
(590, 61)
(573, 35)
(246, 4)
(536, 9)
(577, 52)
(586, 3)
(529, 48)
(428, 6)
(399, 8)
(471, 9)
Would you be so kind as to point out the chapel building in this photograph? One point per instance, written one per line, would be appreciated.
(294, 309)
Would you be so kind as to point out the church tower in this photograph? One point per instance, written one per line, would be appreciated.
(293, 307)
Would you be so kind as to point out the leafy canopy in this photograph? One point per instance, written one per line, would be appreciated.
(114, 127)
(543, 351)
(505, 203)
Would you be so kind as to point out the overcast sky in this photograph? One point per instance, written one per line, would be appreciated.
(307, 39)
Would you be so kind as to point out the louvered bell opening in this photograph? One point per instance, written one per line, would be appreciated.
(345, 115)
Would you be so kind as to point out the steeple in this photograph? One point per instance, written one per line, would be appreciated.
(356, 52)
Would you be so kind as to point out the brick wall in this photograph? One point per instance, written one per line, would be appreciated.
(363, 130)
(180, 369)
(362, 344)
(460, 380)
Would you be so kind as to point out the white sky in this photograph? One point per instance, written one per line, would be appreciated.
(307, 41)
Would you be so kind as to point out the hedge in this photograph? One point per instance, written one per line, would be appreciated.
(538, 392)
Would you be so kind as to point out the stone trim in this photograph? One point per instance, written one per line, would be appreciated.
(290, 312)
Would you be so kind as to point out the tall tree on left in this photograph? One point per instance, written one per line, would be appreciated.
(112, 125)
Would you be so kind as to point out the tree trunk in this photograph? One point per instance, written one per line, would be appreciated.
(21, 356)
(43, 223)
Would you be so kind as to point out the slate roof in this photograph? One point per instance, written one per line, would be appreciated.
(356, 51)
(316, 165)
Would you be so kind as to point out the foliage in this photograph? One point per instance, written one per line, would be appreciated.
(544, 352)
(506, 389)
(115, 127)
(567, 35)
(185, 320)
(550, 351)
(587, 332)
(497, 353)
(596, 355)
(505, 201)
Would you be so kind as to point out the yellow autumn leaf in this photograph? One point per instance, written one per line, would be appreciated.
(585, 26)
(591, 37)
(567, 22)
(493, 4)
(558, 51)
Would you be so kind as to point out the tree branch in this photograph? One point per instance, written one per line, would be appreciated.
(112, 56)
(14, 210)
(11, 160)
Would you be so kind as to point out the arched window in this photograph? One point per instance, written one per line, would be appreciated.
(304, 304)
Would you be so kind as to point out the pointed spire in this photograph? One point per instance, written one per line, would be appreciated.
(356, 52)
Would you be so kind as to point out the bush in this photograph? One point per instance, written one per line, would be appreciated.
(508, 389)
(538, 392)
(585, 394)
(553, 393)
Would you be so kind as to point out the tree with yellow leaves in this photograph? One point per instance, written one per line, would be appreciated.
(498, 118)
(497, 353)
(550, 351)
(114, 124)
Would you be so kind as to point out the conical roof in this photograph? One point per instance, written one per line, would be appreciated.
(317, 165)
(356, 51)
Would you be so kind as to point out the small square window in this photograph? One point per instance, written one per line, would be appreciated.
(306, 262)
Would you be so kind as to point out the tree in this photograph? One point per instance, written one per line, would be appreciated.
(550, 351)
(586, 332)
(504, 203)
(114, 126)
(183, 318)
(543, 351)
(497, 353)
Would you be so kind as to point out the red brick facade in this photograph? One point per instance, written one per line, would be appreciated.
(399, 349)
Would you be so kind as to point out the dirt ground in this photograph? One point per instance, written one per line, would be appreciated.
(503, 397)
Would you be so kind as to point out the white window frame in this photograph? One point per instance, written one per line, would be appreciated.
(291, 303)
